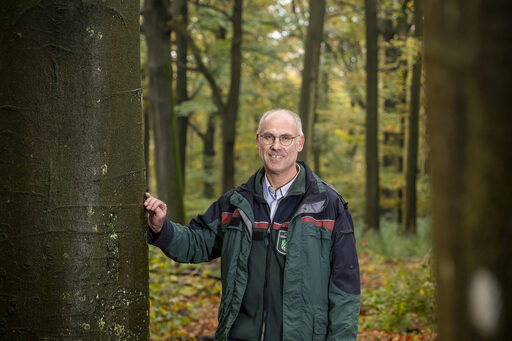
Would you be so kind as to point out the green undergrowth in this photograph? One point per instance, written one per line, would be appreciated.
(397, 282)
(392, 243)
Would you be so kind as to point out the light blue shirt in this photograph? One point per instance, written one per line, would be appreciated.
(274, 197)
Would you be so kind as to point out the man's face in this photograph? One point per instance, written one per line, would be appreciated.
(277, 158)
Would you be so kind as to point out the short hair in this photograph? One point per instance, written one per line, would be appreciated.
(296, 117)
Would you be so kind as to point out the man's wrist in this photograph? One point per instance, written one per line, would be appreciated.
(164, 237)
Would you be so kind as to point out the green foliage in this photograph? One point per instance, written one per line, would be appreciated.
(399, 297)
(398, 286)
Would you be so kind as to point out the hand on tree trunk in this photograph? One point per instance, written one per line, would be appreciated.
(156, 210)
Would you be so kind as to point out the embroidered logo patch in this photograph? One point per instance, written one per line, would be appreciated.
(282, 242)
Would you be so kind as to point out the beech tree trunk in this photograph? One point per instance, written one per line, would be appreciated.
(310, 74)
(167, 161)
(372, 212)
(412, 142)
(181, 82)
(73, 252)
(468, 54)
(230, 114)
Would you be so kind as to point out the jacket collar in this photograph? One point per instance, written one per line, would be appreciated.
(307, 183)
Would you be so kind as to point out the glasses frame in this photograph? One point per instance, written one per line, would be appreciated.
(274, 138)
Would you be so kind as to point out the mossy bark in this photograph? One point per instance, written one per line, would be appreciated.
(73, 250)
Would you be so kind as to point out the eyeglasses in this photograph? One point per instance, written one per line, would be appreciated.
(285, 140)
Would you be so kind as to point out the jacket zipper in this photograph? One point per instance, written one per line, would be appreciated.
(266, 286)
(267, 266)
(267, 276)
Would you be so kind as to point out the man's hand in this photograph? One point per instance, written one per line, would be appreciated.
(156, 211)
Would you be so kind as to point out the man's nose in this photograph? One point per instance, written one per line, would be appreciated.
(275, 144)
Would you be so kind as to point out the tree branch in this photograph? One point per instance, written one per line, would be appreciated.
(216, 9)
(216, 91)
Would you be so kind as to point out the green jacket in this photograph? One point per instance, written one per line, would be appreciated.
(321, 292)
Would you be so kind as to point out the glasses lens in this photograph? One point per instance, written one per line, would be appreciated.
(286, 140)
(268, 138)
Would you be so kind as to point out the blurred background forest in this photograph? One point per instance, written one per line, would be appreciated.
(352, 70)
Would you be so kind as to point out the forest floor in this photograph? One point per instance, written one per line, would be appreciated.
(396, 299)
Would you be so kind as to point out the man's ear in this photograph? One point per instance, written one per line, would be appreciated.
(301, 143)
(257, 139)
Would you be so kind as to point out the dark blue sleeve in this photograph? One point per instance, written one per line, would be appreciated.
(345, 265)
(162, 239)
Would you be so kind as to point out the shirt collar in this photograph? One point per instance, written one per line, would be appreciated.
(268, 192)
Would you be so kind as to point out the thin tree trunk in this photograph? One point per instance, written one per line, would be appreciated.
(208, 139)
(323, 101)
(468, 49)
(167, 161)
(208, 157)
(73, 252)
(317, 151)
(147, 136)
(310, 73)
(372, 156)
(412, 143)
(230, 114)
(412, 150)
(181, 81)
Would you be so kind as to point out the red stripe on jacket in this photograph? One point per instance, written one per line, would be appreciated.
(328, 224)
(278, 226)
(260, 224)
(226, 216)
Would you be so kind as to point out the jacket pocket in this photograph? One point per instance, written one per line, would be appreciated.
(320, 327)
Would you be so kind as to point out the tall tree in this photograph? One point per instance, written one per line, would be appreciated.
(230, 114)
(468, 53)
(181, 16)
(394, 29)
(310, 71)
(167, 161)
(372, 155)
(413, 139)
(72, 233)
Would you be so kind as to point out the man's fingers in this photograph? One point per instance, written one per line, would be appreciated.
(152, 204)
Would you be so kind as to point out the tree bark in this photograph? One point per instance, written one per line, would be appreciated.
(208, 139)
(230, 114)
(310, 73)
(147, 137)
(372, 154)
(468, 49)
(208, 157)
(167, 161)
(74, 258)
(181, 81)
(412, 142)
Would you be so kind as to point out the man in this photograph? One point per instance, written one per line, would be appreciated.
(286, 241)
